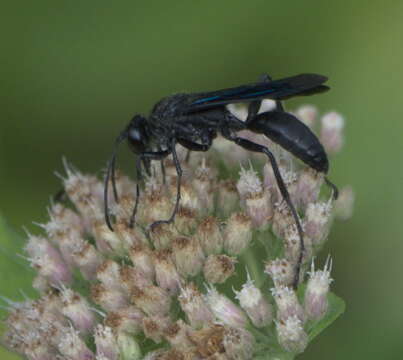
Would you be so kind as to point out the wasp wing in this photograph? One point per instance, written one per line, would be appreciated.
(298, 85)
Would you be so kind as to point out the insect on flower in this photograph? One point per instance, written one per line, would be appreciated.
(195, 120)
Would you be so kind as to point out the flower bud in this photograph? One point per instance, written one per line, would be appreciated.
(80, 189)
(189, 197)
(36, 348)
(203, 183)
(238, 343)
(65, 229)
(177, 335)
(317, 221)
(108, 273)
(166, 274)
(282, 219)
(185, 220)
(228, 198)
(108, 241)
(256, 306)
(248, 184)
(269, 180)
(308, 187)
(237, 234)
(256, 201)
(76, 308)
(106, 343)
(109, 299)
(290, 179)
(162, 235)
(88, 259)
(153, 300)
(122, 210)
(292, 244)
(344, 205)
(47, 260)
(73, 347)
(331, 132)
(291, 335)
(188, 255)
(224, 309)
(287, 303)
(154, 327)
(209, 236)
(259, 209)
(307, 114)
(194, 306)
(127, 320)
(316, 303)
(142, 259)
(130, 277)
(129, 236)
(209, 341)
(281, 271)
(158, 207)
(218, 268)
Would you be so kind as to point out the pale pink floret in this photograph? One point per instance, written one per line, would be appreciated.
(253, 302)
(316, 302)
(331, 134)
(291, 335)
(224, 309)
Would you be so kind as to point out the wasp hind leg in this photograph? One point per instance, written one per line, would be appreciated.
(251, 146)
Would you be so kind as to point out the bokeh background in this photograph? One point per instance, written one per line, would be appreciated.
(74, 72)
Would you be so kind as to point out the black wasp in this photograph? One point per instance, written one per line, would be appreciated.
(195, 120)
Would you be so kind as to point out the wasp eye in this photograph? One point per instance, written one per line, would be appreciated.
(136, 140)
(137, 136)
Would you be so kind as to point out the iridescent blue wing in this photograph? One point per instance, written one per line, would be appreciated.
(298, 85)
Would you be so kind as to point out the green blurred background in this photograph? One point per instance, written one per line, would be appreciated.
(74, 72)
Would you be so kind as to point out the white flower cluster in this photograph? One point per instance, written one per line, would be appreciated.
(135, 293)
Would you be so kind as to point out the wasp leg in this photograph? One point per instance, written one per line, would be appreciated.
(333, 187)
(192, 146)
(163, 172)
(136, 204)
(157, 155)
(178, 187)
(251, 146)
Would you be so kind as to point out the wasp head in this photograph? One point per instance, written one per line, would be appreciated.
(137, 135)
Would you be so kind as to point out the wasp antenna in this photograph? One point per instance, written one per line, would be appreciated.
(113, 175)
(110, 172)
(106, 205)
